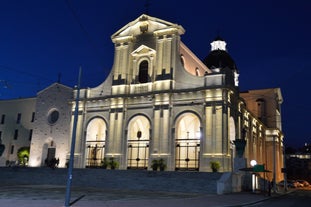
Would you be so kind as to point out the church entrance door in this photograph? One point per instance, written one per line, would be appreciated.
(95, 143)
(187, 142)
(138, 143)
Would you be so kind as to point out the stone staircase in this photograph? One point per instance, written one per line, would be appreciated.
(169, 181)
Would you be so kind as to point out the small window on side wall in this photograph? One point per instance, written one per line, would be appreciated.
(18, 120)
(33, 117)
(2, 118)
(12, 149)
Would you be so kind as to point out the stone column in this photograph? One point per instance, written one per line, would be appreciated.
(239, 160)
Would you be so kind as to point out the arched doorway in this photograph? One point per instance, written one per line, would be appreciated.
(138, 143)
(187, 142)
(49, 151)
(95, 142)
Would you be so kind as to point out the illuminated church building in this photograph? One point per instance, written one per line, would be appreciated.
(159, 101)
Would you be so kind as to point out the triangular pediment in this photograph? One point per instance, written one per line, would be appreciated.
(143, 50)
(57, 85)
(146, 24)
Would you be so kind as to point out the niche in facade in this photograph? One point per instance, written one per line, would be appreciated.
(143, 76)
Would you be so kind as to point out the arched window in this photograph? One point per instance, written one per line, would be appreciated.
(261, 108)
(182, 60)
(188, 137)
(95, 142)
(197, 71)
(138, 139)
(143, 72)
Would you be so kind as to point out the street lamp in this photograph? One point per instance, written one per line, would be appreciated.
(72, 148)
(274, 165)
(253, 163)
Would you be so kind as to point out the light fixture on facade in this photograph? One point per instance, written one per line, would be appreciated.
(253, 163)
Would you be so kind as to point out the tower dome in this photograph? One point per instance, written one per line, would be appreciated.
(219, 58)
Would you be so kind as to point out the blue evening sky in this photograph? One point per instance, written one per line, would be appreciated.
(269, 41)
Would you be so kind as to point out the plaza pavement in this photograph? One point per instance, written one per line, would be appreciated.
(54, 196)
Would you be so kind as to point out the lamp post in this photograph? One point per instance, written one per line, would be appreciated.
(285, 169)
(73, 141)
(274, 165)
(253, 163)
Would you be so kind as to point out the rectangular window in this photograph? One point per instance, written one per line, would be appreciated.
(12, 149)
(0, 136)
(16, 134)
(2, 118)
(33, 117)
(18, 120)
(30, 134)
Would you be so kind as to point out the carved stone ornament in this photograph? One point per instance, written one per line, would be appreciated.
(143, 26)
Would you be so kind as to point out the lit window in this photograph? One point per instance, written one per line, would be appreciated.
(182, 59)
(197, 72)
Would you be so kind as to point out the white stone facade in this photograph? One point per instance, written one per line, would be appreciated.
(52, 125)
(161, 101)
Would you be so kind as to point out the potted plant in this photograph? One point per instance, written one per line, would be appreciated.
(215, 165)
(154, 165)
(162, 164)
(113, 163)
(104, 163)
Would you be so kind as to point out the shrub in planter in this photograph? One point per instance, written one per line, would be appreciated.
(113, 163)
(162, 164)
(104, 163)
(158, 164)
(215, 165)
(154, 165)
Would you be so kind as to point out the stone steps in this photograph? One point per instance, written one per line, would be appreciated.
(169, 181)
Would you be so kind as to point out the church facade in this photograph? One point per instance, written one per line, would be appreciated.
(160, 102)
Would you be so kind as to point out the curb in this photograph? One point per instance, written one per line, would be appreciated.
(275, 195)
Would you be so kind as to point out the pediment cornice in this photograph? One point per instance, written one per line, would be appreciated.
(146, 24)
(143, 50)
